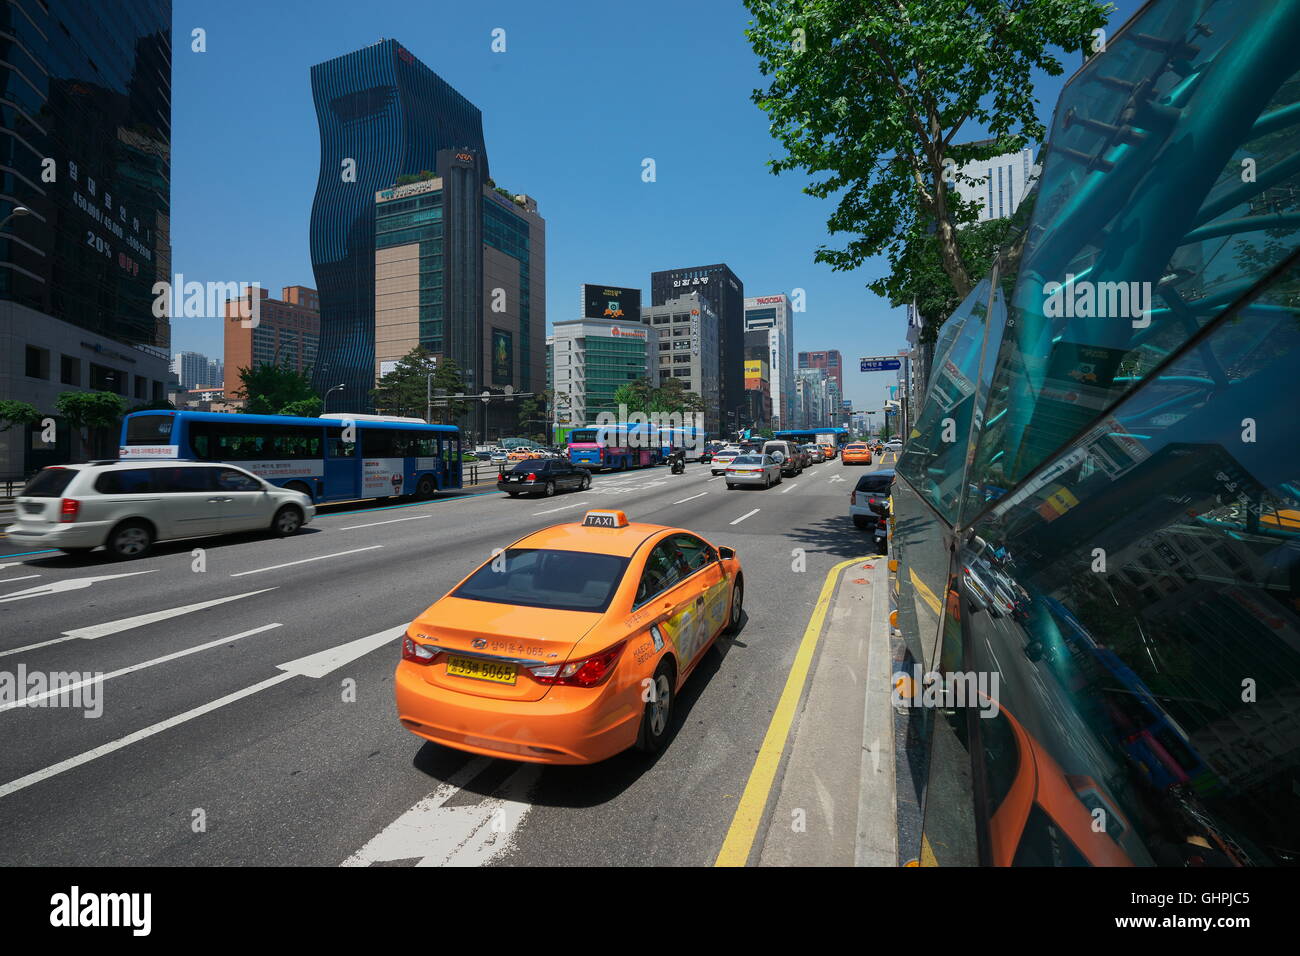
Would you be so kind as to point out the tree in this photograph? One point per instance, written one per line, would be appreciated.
(268, 388)
(874, 96)
(404, 390)
(643, 395)
(88, 412)
(17, 414)
(304, 408)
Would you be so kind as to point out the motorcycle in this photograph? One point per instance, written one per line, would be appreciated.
(678, 466)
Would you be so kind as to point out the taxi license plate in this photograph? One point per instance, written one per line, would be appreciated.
(482, 670)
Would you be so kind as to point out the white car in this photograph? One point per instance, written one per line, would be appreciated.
(127, 506)
(723, 458)
(759, 470)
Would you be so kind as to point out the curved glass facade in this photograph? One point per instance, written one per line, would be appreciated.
(389, 114)
(1100, 501)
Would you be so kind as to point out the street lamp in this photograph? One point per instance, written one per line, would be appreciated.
(17, 211)
(325, 405)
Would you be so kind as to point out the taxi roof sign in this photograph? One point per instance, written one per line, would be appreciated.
(605, 519)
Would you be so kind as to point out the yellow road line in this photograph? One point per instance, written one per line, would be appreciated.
(926, 594)
(749, 812)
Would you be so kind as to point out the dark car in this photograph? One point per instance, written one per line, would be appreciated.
(544, 477)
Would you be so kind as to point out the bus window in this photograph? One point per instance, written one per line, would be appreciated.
(340, 448)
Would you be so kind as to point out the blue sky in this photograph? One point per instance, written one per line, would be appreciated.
(584, 92)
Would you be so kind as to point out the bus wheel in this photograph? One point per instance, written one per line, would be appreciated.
(425, 487)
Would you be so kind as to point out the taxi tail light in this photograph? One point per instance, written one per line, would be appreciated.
(69, 508)
(416, 652)
(584, 672)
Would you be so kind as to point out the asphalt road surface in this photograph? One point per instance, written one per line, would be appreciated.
(247, 709)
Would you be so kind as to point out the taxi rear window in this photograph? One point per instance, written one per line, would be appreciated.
(558, 580)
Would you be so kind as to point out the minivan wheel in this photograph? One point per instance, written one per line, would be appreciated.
(131, 539)
(287, 521)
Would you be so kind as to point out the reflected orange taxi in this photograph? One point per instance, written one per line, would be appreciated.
(570, 645)
(857, 453)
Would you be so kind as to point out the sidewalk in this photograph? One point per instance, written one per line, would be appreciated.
(835, 801)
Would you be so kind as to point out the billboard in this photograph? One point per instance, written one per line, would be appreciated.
(755, 372)
(611, 302)
(503, 357)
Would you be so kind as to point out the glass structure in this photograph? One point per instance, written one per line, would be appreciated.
(383, 114)
(1099, 505)
(86, 146)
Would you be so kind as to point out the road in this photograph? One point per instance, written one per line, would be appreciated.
(247, 709)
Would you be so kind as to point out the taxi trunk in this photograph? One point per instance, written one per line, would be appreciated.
(485, 650)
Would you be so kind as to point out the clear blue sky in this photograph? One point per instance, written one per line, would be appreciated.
(585, 90)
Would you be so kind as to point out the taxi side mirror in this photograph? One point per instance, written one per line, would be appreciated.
(726, 554)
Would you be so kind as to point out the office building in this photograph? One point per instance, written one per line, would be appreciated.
(998, 184)
(814, 398)
(688, 347)
(726, 296)
(384, 116)
(460, 270)
(830, 360)
(287, 333)
(191, 369)
(774, 315)
(593, 358)
(87, 96)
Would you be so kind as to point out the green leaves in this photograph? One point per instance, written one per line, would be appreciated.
(86, 410)
(644, 396)
(405, 390)
(883, 91)
(269, 388)
(17, 414)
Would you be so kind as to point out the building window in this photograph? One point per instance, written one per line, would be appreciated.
(38, 362)
(141, 387)
(69, 370)
(104, 379)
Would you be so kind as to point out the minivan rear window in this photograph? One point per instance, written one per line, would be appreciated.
(876, 483)
(49, 483)
(127, 481)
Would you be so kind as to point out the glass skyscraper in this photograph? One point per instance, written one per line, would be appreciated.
(86, 147)
(383, 115)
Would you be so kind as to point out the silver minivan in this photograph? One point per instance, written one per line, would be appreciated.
(127, 506)
(785, 454)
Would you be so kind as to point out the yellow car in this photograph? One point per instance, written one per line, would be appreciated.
(857, 453)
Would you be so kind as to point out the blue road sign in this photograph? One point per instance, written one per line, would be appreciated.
(880, 365)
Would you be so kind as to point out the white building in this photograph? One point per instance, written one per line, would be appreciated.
(592, 358)
(998, 184)
(192, 369)
(773, 313)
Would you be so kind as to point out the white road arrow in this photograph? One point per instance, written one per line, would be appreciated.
(70, 584)
(438, 835)
(314, 665)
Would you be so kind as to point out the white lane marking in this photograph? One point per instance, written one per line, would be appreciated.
(376, 524)
(26, 577)
(440, 835)
(995, 657)
(70, 584)
(744, 516)
(11, 564)
(791, 488)
(691, 498)
(576, 504)
(835, 478)
(153, 617)
(319, 664)
(315, 665)
(289, 564)
(133, 668)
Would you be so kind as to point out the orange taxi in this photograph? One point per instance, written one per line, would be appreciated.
(828, 450)
(570, 645)
(523, 454)
(856, 453)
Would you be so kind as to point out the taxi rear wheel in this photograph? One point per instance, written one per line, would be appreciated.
(657, 717)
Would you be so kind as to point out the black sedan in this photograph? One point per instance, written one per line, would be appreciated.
(543, 477)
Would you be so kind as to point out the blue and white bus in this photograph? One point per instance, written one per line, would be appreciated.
(333, 458)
